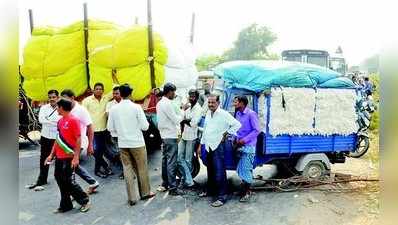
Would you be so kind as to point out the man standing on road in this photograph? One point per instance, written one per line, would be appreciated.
(67, 152)
(48, 117)
(127, 120)
(169, 119)
(87, 134)
(218, 124)
(96, 106)
(186, 147)
(112, 141)
(246, 140)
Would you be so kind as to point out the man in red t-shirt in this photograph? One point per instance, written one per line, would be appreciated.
(67, 151)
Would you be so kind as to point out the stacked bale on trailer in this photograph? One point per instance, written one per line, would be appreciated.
(304, 99)
(54, 58)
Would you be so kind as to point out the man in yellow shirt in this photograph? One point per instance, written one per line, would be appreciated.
(96, 106)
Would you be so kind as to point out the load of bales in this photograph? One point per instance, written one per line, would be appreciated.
(54, 58)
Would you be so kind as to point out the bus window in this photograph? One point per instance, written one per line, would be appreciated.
(317, 60)
(292, 58)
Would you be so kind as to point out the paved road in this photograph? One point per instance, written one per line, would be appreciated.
(109, 206)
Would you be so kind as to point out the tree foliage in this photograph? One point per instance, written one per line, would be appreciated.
(252, 43)
(206, 62)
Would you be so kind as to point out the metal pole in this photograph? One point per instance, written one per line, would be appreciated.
(192, 28)
(150, 45)
(136, 20)
(31, 21)
(86, 41)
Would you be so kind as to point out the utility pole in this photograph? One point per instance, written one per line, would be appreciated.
(150, 45)
(31, 21)
(85, 29)
(192, 28)
(136, 20)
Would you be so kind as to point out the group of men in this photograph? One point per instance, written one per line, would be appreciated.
(111, 126)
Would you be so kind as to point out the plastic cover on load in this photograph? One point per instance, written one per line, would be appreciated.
(258, 75)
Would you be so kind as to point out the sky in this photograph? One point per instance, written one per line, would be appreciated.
(361, 28)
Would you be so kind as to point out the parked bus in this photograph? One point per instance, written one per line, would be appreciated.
(317, 57)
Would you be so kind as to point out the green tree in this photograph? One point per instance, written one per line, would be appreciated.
(207, 62)
(252, 43)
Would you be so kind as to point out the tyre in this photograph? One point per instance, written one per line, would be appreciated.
(361, 147)
(314, 170)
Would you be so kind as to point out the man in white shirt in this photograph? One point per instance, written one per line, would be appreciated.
(169, 118)
(218, 124)
(127, 120)
(186, 147)
(87, 135)
(48, 117)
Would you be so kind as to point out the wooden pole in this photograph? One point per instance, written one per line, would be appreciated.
(85, 20)
(31, 21)
(192, 28)
(150, 45)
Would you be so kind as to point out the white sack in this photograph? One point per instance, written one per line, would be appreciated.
(335, 112)
(297, 116)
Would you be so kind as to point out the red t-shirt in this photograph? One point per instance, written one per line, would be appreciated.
(69, 129)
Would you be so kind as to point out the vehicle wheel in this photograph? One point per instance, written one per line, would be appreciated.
(195, 168)
(314, 170)
(361, 147)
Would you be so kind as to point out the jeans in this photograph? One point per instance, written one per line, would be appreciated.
(217, 174)
(63, 174)
(169, 163)
(45, 150)
(83, 173)
(185, 154)
(99, 151)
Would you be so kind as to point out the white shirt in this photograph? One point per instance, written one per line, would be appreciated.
(215, 126)
(169, 118)
(84, 119)
(127, 120)
(109, 105)
(48, 119)
(195, 113)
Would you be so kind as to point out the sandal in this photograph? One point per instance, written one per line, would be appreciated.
(150, 195)
(85, 208)
(203, 194)
(217, 203)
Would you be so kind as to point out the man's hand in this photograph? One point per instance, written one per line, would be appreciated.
(241, 142)
(186, 106)
(224, 137)
(75, 162)
(198, 151)
(90, 150)
(48, 160)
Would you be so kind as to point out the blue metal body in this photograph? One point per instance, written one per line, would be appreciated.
(283, 147)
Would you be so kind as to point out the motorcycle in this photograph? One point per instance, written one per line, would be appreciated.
(365, 108)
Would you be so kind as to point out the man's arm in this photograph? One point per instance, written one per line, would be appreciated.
(44, 120)
(144, 125)
(256, 128)
(76, 155)
(90, 135)
(233, 124)
(171, 113)
(111, 124)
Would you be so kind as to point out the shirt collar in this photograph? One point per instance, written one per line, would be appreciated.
(244, 111)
